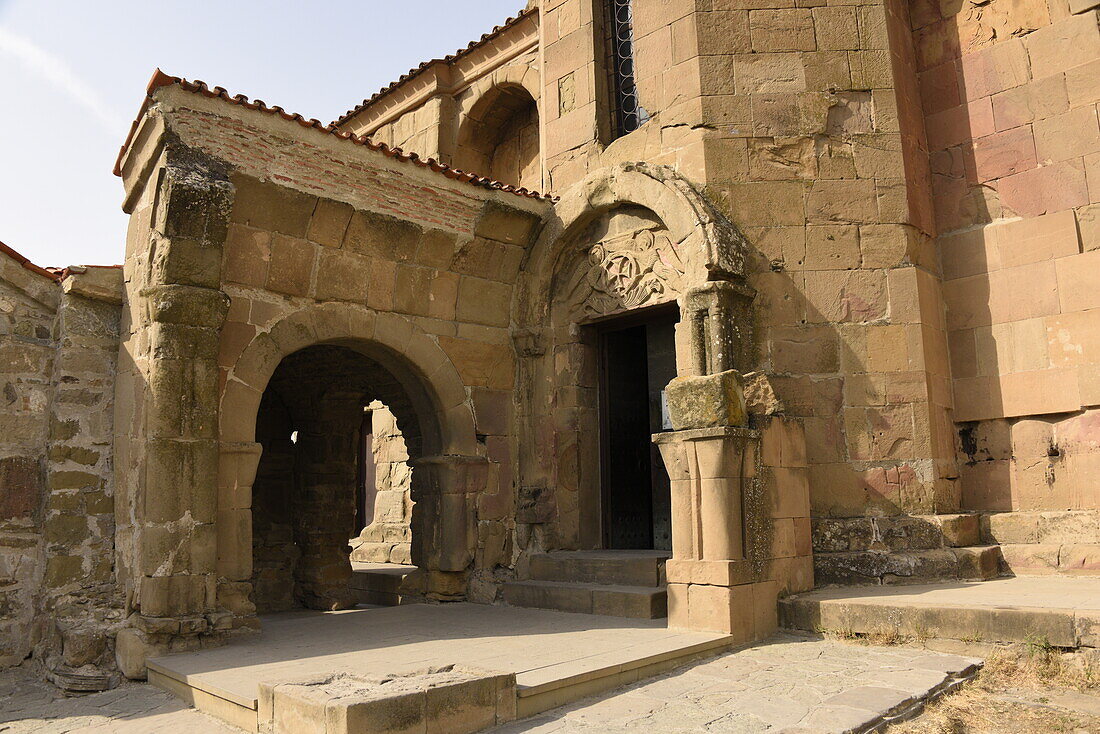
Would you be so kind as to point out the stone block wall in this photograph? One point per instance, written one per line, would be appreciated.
(28, 309)
(325, 240)
(1010, 94)
(80, 597)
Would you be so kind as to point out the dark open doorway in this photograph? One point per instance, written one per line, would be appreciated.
(637, 361)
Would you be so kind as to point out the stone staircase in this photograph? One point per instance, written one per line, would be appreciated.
(904, 549)
(614, 583)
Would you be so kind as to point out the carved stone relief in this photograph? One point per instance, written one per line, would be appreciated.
(623, 272)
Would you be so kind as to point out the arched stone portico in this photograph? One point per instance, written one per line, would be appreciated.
(445, 472)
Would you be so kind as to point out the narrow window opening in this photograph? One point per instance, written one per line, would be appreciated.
(627, 113)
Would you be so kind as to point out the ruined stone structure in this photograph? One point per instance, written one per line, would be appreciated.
(813, 297)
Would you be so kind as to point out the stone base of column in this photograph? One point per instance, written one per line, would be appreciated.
(150, 637)
(745, 611)
(740, 525)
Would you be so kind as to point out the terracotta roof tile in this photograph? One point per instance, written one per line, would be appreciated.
(52, 273)
(160, 79)
(497, 30)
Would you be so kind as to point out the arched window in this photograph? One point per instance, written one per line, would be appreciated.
(500, 138)
(627, 113)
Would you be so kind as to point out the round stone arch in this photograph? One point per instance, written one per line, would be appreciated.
(485, 110)
(448, 472)
(710, 244)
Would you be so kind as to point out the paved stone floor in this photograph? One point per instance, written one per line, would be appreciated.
(27, 704)
(541, 647)
(790, 684)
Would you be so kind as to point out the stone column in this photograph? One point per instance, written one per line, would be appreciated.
(176, 309)
(729, 525)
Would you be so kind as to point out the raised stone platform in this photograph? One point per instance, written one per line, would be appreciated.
(379, 583)
(1060, 611)
(556, 657)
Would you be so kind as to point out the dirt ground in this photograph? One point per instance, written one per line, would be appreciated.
(1024, 690)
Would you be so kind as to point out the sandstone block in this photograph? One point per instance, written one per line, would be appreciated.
(707, 401)
(329, 222)
(769, 73)
(1031, 559)
(787, 29)
(1064, 44)
(271, 207)
(836, 28)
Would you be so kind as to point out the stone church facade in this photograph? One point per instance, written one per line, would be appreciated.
(836, 264)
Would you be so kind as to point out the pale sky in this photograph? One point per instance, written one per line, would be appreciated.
(73, 74)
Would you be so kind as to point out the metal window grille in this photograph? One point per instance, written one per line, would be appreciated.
(628, 111)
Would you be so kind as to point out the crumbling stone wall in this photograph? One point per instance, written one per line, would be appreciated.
(28, 307)
(388, 537)
(82, 607)
(59, 342)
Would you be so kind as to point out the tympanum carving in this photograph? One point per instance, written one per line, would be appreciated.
(640, 269)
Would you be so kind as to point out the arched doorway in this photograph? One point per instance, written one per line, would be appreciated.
(500, 137)
(629, 247)
(309, 481)
(610, 325)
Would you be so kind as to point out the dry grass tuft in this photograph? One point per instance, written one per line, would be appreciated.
(1010, 695)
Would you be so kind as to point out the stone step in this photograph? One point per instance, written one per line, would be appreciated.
(378, 583)
(896, 532)
(636, 602)
(609, 567)
(1059, 611)
(874, 567)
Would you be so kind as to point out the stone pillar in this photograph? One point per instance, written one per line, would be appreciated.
(176, 309)
(731, 511)
(237, 466)
(444, 522)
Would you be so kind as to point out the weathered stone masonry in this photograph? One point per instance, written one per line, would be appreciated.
(60, 343)
(876, 221)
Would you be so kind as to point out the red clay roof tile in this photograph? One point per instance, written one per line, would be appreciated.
(160, 79)
(497, 30)
(51, 273)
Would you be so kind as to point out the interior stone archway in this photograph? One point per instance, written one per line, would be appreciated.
(310, 426)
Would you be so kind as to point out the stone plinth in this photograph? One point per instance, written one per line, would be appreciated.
(740, 526)
(446, 699)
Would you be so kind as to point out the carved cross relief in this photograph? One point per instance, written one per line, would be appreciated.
(628, 271)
